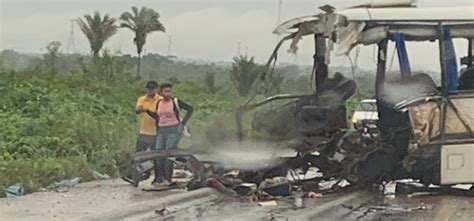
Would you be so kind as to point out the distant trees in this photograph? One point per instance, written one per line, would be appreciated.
(275, 84)
(210, 81)
(244, 73)
(97, 29)
(142, 22)
(52, 55)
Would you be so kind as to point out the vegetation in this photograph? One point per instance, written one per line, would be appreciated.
(97, 30)
(66, 116)
(244, 73)
(52, 55)
(142, 23)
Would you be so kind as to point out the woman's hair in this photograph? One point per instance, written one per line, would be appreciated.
(165, 85)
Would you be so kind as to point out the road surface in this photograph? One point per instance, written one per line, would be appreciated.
(116, 200)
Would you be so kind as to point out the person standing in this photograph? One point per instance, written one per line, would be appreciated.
(171, 128)
(148, 127)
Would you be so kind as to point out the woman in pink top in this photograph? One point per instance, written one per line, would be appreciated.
(170, 128)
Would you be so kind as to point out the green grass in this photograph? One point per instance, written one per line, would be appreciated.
(63, 126)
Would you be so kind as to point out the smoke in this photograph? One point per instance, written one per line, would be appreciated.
(249, 155)
(397, 90)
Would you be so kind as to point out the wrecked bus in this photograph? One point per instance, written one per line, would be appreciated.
(426, 135)
(431, 129)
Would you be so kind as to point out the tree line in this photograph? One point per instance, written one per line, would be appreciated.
(98, 29)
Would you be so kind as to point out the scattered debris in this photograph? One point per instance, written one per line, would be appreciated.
(181, 174)
(163, 211)
(268, 203)
(14, 190)
(100, 176)
(278, 186)
(313, 195)
(299, 202)
(64, 183)
(395, 208)
(245, 189)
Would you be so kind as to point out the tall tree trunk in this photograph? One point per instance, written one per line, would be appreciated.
(138, 67)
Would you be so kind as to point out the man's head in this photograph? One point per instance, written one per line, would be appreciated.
(152, 88)
(166, 90)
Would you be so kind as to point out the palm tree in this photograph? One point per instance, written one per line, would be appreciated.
(142, 23)
(244, 73)
(97, 30)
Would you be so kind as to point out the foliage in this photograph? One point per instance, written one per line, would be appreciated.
(71, 125)
(51, 57)
(142, 23)
(81, 120)
(97, 30)
(276, 83)
(244, 73)
(210, 81)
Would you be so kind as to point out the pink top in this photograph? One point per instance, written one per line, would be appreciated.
(166, 113)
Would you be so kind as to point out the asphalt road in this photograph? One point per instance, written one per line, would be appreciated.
(116, 200)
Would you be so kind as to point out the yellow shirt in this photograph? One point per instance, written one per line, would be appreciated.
(148, 124)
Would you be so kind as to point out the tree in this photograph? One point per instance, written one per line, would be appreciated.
(97, 30)
(142, 23)
(210, 80)
(52, 55)
(244, 73)
(276, 83)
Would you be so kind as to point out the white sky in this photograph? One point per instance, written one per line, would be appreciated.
(200, 29)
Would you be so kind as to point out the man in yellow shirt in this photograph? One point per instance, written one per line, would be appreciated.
(148, 129)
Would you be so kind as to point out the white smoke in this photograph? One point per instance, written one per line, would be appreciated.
(249, 155)
(398, 90)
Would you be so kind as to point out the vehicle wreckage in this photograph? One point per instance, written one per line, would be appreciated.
(426, 135)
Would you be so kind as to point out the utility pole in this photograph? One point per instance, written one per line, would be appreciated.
(71, 44)
(170, 43)
(239, 48)
(280, 4)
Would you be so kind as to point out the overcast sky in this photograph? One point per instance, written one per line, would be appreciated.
(200, 29)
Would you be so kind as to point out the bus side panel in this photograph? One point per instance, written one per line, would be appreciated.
(457, 165)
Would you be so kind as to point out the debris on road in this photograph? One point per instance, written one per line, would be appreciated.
(395, 208)
(14, 190)
(100, 176)
(64, 183)
(312, 195)
(299, 202)
(268, 203)
(163, 211)
(278, 186)
(245, 189)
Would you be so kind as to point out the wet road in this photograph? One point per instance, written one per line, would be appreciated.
(350, 206)
(114, 196)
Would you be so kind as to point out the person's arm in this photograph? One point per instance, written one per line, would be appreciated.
(139, 107)
(189, 111)
(152, 114)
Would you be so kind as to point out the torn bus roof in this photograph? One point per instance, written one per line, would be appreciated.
(295, 23)
(371, 25)
(387, 3)
(446, 14)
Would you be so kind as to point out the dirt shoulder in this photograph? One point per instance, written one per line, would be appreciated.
(82, 200)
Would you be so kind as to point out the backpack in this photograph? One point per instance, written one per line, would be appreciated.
(186, 128)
